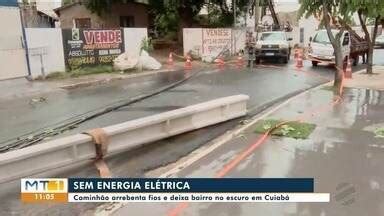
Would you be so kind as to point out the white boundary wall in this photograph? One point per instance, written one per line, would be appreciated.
(198, 40)
(13, 61)
(133, 38)
(49, 41)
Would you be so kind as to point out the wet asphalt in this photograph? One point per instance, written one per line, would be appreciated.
(263, 85)
(342, 155)
(21, 116)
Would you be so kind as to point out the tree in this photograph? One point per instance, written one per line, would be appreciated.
(167, 12)
(221, 12)
(369, 12)
(66, 2)
(184, 10)
(331, 14)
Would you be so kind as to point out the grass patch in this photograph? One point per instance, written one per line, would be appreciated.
(55, 75)
(379, 132)
(297, 130)
(329, 88)
(91, 70)
(81, 72)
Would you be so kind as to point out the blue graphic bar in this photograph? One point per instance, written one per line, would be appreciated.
(208, 185)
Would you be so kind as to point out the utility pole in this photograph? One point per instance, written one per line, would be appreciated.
(234, 13)
(257, 13)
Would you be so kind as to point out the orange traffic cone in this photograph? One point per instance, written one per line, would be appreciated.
(170, 60)
(240, 61)
(188, 63)
(220, 62)
(341, 87)
(348, 70)
(299, 60)
(296, 53)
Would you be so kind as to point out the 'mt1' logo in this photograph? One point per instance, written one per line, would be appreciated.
(44, 185)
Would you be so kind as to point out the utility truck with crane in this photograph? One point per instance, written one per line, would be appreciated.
(271, 41)
(320, 49)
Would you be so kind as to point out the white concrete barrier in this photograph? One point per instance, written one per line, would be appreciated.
(122, 137)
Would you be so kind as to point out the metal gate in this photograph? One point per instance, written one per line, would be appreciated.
(13, 61)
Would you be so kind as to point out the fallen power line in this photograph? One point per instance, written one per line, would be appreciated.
(33, 138)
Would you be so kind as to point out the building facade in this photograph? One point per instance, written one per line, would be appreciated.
(77, 15)
(32, 17)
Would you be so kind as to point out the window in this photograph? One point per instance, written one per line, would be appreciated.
(83, 23)
(301, 35)
(127, 21)
(322, 37)
(272, 36)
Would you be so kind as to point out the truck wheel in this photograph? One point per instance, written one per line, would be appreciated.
(285, 60)
(315, 63)
(355, 61)
(257, 60)
(289, 54)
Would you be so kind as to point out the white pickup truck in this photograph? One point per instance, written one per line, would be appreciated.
(320, 49)
(273, 45)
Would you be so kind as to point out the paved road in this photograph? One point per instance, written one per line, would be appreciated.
(19, 117)
(263, 85)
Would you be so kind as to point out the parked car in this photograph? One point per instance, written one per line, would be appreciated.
(320, 49)
(380, 41)
(272, 45)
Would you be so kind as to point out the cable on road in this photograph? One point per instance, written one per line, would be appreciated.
(71, 123)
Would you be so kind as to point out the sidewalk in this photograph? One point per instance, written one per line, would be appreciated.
(370, 81)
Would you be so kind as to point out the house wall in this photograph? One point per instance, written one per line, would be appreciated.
(139, 11)
(111, 20)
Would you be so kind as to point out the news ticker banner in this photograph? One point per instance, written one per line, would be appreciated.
(34, 190)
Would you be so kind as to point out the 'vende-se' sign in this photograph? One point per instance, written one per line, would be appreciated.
(92, 46)
(216, 39)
